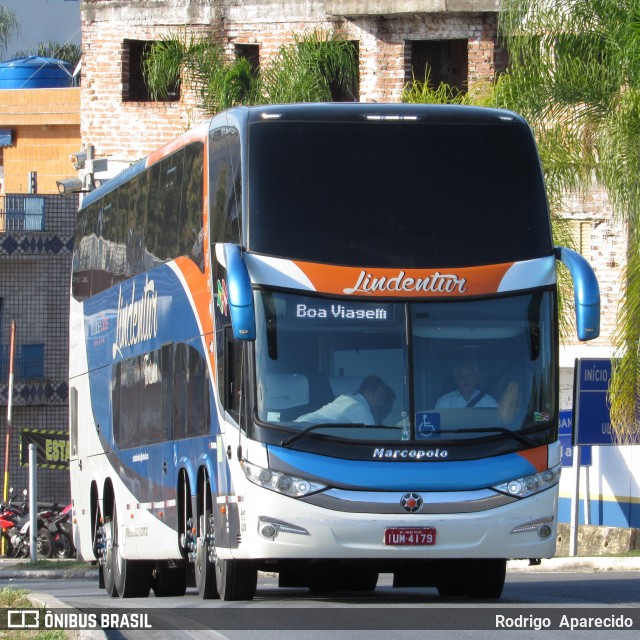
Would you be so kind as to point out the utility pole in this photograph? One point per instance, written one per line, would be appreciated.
(5, 495)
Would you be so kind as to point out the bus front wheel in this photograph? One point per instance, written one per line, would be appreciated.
(236, 579)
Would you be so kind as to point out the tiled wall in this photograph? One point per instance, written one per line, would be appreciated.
(35, 272)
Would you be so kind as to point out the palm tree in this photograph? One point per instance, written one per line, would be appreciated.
(315, 67)
(70, 53)
(575, 76)
(9, 27)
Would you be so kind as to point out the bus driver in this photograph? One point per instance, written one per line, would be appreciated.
(370, 404)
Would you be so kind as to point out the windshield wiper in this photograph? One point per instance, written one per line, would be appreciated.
(502, 430)
(321, 425)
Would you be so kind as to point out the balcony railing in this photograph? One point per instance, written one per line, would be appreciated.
(28, 362)
(21, 213)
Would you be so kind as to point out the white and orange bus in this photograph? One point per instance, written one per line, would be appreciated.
(271, 320)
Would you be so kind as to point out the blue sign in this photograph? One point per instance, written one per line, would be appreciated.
(593, 421)
(427, 425)
(565, 435)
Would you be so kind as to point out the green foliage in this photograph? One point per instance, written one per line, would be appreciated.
(423, 92)
(9, 27)
(11, 598)
(315, 67)
(577, 65)
(70, 53)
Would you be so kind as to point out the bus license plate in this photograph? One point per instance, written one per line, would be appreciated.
(410, 537)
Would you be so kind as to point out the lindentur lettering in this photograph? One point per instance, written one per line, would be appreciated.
(138, 320)
(437, 283)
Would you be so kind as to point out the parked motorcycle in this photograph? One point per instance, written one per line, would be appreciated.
(54, 537)
(12, 516)
(60, 528)
(21, 541)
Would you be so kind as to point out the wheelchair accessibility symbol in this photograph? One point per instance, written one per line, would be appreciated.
(427, 425)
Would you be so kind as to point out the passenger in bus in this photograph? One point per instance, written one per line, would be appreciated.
(466, 375)
(370, 404)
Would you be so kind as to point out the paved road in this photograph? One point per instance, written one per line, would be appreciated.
(531, 596)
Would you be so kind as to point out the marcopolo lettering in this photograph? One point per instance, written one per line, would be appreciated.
(382, 453)
(437, 283)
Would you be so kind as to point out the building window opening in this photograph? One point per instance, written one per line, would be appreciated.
(134, 85)
(442, 61)
(250, 53)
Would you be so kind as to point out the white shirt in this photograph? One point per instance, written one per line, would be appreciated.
(352, 409)
(455, 400)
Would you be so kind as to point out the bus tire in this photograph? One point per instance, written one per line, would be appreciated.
(362, 581)
(169, 581)
(205, 570)
(236, 579)
(450, 578)
(485, 578)
(108, 575)
(132, 578)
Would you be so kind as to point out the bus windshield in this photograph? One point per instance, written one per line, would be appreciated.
(448, 370)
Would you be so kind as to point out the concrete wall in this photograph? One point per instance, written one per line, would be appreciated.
(46, 129)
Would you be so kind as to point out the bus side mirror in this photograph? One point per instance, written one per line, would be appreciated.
(243, 318)
(586, 293)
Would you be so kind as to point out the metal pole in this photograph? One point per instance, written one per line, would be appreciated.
(575, 512)
(5, 494)
(587, 498)
(33, 501)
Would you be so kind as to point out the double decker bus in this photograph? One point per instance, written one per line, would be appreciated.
(322, 341)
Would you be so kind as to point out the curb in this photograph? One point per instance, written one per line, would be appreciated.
(579, 563)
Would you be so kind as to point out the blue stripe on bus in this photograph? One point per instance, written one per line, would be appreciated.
(402, 476)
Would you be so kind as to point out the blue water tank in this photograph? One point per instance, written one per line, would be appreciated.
(35, 72)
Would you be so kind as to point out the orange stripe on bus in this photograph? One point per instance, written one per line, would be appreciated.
(197, 283)
(538, 457)
(389, 282)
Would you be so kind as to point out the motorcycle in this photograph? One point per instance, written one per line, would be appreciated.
(21, 541)
(12, 516)
(60, 528)
(16, 524)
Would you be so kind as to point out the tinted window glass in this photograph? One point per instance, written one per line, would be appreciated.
(225, 184)
(411, 194)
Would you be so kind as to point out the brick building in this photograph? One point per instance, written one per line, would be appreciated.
(41, 128)
(396, 41)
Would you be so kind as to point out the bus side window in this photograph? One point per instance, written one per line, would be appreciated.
(225, 181)
(191, 406)
(231, 389)
(180, 391)
(191, 240)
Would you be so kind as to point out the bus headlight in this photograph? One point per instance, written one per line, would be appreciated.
(529, 485)
(288, 485)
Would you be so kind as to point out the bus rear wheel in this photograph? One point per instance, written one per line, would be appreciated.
(108, 575)
(169, 581)
(205, 569)
(236, 579)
